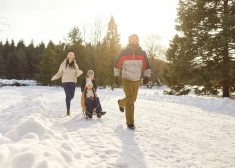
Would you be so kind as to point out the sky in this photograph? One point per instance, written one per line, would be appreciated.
(51, 20)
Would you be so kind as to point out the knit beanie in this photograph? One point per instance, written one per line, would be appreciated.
(89, 82)
(90, 72)
(70, 54)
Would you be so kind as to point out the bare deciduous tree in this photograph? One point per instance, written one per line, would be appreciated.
(3, 23)
(93, 35)
(156, 54)
(153, 47)
(97, 31)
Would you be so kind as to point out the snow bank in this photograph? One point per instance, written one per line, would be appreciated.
(218, 105)
(30, 142)
(14, 82)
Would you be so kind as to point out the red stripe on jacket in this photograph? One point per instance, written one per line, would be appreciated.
(131, 57)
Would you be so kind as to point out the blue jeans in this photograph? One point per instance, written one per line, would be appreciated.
(69, 89)
(91, 104)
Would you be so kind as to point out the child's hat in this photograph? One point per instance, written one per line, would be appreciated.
(90, 72)
(89, 82)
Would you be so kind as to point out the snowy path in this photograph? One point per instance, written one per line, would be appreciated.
(34, 131)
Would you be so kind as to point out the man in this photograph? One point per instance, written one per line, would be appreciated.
(132, 59)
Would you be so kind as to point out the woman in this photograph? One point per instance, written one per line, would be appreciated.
(69, 71)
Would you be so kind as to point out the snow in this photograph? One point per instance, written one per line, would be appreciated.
(171, 131)
(14, 82)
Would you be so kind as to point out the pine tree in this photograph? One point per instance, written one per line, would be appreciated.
(89, 60)
(2, 61)
(47, 67)
(30, 54)
(12, 47)
(207, 27)
(12, 66)
(23, 63)
(74, 36)
(1, 47)
(6, 49)
(111, 47)
(2, 66)
(37, 57)
(21, 45)
(12, 63)
(178, 74)
(100, 62)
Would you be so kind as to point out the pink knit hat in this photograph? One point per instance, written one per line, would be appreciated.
(71, 54)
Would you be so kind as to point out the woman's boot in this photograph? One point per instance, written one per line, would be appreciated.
(68, 112)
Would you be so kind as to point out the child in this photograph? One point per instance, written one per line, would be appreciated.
(90, 101)
(90, 74)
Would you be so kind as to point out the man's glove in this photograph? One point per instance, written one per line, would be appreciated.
(146, 80)
(116, 80)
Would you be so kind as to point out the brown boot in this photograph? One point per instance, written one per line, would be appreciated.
(68, 112)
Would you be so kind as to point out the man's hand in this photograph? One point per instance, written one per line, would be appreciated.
(146, 80)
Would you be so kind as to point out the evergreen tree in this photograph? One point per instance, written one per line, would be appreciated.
(89, 60)
(2, 66)
(12, 47)
(37, 57)
(12, 66)
(74, 36)
(2, 61)
(23, 63)
(40, 48)
(61, 54)
(207, 29)
(178, 73)
(30, 54)
(47, 67)
(6, 49)
(1, 47)
(111, 47)
(21, 45)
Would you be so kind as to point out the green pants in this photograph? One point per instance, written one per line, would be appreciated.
(131, 90)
